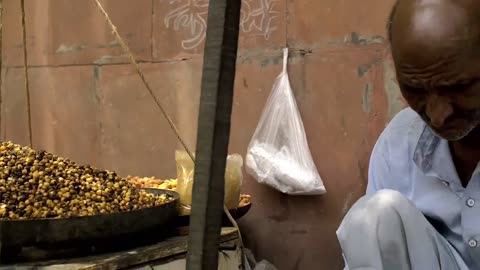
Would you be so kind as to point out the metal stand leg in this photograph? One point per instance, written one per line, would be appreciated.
(1, 246)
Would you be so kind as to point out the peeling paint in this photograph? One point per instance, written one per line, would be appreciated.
(367, 97)
(245, 84)
(106, 59)
(97, 97)
(244, 60)
(395, 103)
(356, 39)
(273, 60)
(112, 44)
(96, 73)
(62, 49)
(294, 56)
(365, 68)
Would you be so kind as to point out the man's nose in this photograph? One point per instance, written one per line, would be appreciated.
(438, 110)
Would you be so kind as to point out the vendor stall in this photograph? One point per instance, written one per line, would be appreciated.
(58, 214)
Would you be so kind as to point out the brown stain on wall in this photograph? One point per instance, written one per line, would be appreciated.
(90, 105)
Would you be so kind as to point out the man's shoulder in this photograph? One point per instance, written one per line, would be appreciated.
(403, 132)
(406, 121)
(392, 158)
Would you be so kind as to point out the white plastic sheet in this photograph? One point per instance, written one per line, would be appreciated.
(278, 154)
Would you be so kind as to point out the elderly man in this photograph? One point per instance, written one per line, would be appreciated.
(422, 207)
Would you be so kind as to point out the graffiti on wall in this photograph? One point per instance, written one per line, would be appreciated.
(258, 17)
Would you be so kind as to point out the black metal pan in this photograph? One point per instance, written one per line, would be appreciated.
(184, 220)
(90, 229)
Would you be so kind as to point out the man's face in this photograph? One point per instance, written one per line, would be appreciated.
(438, 69)
(446, 96)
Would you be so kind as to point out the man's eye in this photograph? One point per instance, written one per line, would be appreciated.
(466, 86)
(413, 90)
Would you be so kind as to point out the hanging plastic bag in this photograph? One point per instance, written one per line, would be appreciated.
(278, 154)
(185, 173)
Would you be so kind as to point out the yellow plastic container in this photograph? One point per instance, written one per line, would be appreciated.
(185, 173)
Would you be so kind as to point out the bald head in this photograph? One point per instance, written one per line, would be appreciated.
(389, 22)
(436, 50)
(427, 23)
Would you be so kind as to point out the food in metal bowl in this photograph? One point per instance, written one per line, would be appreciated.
(38, 184)
(244, 200)
(152, 182)
(171, 184)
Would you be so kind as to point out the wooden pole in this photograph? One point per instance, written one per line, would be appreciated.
(213, 134)
(1, 69)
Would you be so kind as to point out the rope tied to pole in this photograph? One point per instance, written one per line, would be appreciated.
(25, 69)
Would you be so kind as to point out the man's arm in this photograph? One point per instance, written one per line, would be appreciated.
(378, 170)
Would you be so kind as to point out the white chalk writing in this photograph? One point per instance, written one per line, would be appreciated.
(258, 17)
(190, 15)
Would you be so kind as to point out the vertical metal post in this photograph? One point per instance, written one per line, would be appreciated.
(213, 133)
(1, 69)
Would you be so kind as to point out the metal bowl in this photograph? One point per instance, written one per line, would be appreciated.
(53, 231)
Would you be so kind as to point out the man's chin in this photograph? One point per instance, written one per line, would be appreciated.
(452, 134)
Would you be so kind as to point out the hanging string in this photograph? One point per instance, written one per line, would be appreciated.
(165, 114)
(25, 69)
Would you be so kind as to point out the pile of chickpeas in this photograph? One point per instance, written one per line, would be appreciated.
(37, 184)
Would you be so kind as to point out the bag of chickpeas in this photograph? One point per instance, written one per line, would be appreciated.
(185, 173)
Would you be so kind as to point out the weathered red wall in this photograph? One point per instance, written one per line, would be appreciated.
(88, 103)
